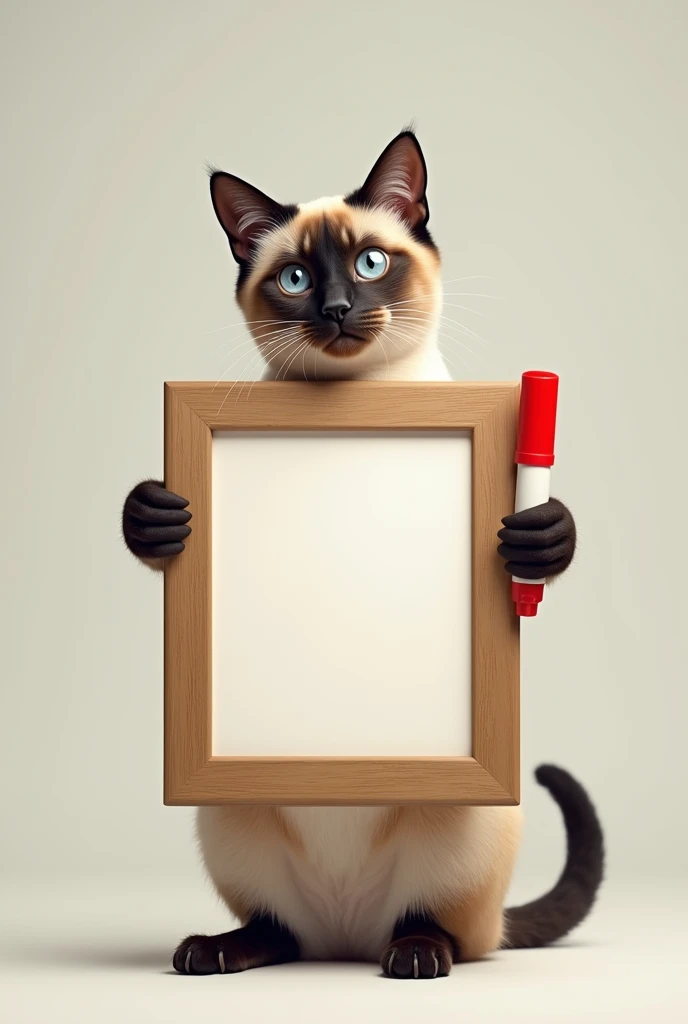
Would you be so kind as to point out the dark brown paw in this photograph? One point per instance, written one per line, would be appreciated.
(416, 956)
(207, 954)
(539, 542)
(154, 521)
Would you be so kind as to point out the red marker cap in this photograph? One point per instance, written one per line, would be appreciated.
(526, 597)
(537, 418)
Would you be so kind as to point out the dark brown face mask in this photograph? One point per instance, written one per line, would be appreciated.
(338, 289)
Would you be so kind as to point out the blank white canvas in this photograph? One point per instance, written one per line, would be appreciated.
(341, 594)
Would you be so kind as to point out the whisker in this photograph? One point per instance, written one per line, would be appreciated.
(469, 309)
(414, 342)
(256, 357)
(269, 348)
(455, 341)
(456, 324)
(457, 370)
(252, 337)
(266, 347)
(289, 332)
(231, 365)
(392, 340)
(444, 353)
(250, 390)
(430, 295)
(258, 339)
(451, 341)
(262, 352)
(280, 345)
(237, 337)
(249, 368)
(446, 357)
(471, 277)
(449, 320)
(240, 323)
(385, 350)
(287, 366)
(455, 305)
(449, 326)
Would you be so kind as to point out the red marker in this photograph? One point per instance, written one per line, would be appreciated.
(534, 455)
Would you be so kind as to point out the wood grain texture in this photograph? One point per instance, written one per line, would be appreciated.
(342, 405)
(187, 599)
(324, 781)
(192, 775)
(495, 627)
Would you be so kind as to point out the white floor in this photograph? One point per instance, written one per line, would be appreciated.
(99, 953)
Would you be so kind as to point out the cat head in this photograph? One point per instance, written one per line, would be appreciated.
(338, 285)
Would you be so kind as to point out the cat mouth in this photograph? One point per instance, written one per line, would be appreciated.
(347, 343)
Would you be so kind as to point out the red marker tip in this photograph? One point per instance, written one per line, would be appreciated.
(527, 597)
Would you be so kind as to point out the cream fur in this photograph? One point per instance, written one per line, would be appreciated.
(340, 878)
(341, 891)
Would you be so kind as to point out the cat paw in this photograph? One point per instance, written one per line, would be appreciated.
(154, 521)
(416, 957)
(206, 954)
(539, 542)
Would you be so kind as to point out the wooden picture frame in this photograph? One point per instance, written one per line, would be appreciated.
(192, 775)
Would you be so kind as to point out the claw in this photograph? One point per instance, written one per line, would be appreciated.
(415, 965)
(187, 962)
(221, 959)
(437, 965)
(391, 961)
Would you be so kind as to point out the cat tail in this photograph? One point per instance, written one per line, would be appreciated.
(564, 907)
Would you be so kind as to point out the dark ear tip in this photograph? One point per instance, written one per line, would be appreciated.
(407, 136)
(409, 132)
(217, 175)
(213, 180)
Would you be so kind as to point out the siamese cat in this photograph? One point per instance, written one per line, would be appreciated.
(349, 287)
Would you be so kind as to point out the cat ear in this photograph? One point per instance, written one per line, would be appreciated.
(398, 181)
(244, 212)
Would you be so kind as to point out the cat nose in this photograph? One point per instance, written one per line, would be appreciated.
(336, 309)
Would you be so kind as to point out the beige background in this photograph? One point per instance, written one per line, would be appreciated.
(555, 137)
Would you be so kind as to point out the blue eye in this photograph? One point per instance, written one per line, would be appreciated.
(371, 263)
(294, 279)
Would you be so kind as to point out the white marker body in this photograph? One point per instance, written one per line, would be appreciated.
(532, 488)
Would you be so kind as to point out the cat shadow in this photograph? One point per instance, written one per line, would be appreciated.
(92, 957)
(561, 944)
(504, 954)
(159, 959)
